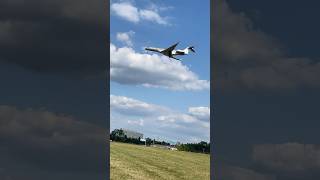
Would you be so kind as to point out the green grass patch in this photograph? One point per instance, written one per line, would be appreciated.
(130, 161)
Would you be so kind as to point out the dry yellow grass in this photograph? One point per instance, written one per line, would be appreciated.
(143, 163)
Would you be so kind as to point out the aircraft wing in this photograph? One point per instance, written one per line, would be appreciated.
(171, 48)
(175, 58)
(153, 49)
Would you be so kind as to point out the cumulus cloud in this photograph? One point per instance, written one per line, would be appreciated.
(202, 113)
(172, 125)
(182, 120)
(152, 16)
(132, 106)
(125, 37)
(175, 118)
(126, 10)
(250, 58)
(238, 40)
(52, 33)
(157, 8)
(51, 141)
(130, 67)
(138, 122)
(129, 12)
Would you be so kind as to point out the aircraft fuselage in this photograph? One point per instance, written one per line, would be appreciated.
(171, 52)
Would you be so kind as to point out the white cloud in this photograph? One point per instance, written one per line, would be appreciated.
(125, 37)
(152, 16)
(56, 137)
(139, 122)
(254, 59)
(132, 106)
(126, 10)
(157, 8)
(179, 120)
(202, 113)
(130, 67)
(133, 14)
(176, 118)
(155, 120)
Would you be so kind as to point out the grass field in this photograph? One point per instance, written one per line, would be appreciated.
(143, 163)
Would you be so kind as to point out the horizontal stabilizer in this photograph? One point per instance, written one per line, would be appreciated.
(191, 49)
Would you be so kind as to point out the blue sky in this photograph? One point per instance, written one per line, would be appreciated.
(181, 88)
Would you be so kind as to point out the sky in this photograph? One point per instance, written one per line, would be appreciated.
(162, 98)
(266, 68)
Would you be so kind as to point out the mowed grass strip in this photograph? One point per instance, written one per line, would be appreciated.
(130, 161)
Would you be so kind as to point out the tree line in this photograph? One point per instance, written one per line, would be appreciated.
(201, 147)
(119, 136)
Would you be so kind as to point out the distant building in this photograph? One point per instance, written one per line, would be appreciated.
(132, 134)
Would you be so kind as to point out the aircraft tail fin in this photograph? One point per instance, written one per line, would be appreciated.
(191, 48)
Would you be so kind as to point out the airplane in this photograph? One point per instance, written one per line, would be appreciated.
(171, 52)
